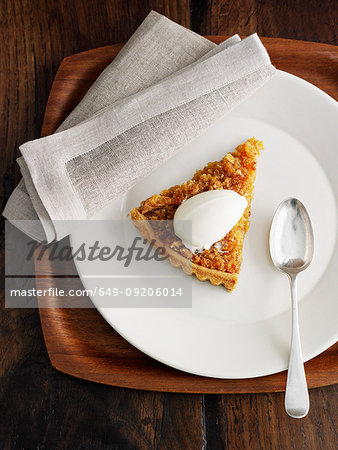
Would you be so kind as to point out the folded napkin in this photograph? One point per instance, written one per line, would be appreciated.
(164, 88)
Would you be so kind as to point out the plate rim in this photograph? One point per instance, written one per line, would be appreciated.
(309, 356)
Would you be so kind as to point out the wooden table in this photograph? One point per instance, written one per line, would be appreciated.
(42, 408)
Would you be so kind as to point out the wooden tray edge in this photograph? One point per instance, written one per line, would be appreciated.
(54, 357)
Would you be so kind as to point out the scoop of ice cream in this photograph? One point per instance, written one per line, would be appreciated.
(205, 218)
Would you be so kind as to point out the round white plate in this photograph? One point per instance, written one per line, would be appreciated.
(247, 333)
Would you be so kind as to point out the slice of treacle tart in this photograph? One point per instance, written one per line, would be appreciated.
(221, 263)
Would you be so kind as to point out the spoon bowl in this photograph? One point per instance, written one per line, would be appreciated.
(291, 237)
(291, 249)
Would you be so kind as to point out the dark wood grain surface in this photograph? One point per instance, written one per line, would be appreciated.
(42, 408)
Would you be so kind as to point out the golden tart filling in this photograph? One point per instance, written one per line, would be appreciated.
(220, 264)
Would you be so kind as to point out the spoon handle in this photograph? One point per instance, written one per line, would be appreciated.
(296, 395)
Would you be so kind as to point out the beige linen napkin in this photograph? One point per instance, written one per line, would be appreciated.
(164, 88)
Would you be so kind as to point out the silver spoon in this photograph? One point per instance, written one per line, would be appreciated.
(291, 248)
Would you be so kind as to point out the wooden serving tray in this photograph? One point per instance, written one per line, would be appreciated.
(79, 341)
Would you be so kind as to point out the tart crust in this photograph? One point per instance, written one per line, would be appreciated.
(219, 265)
(216, 277)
